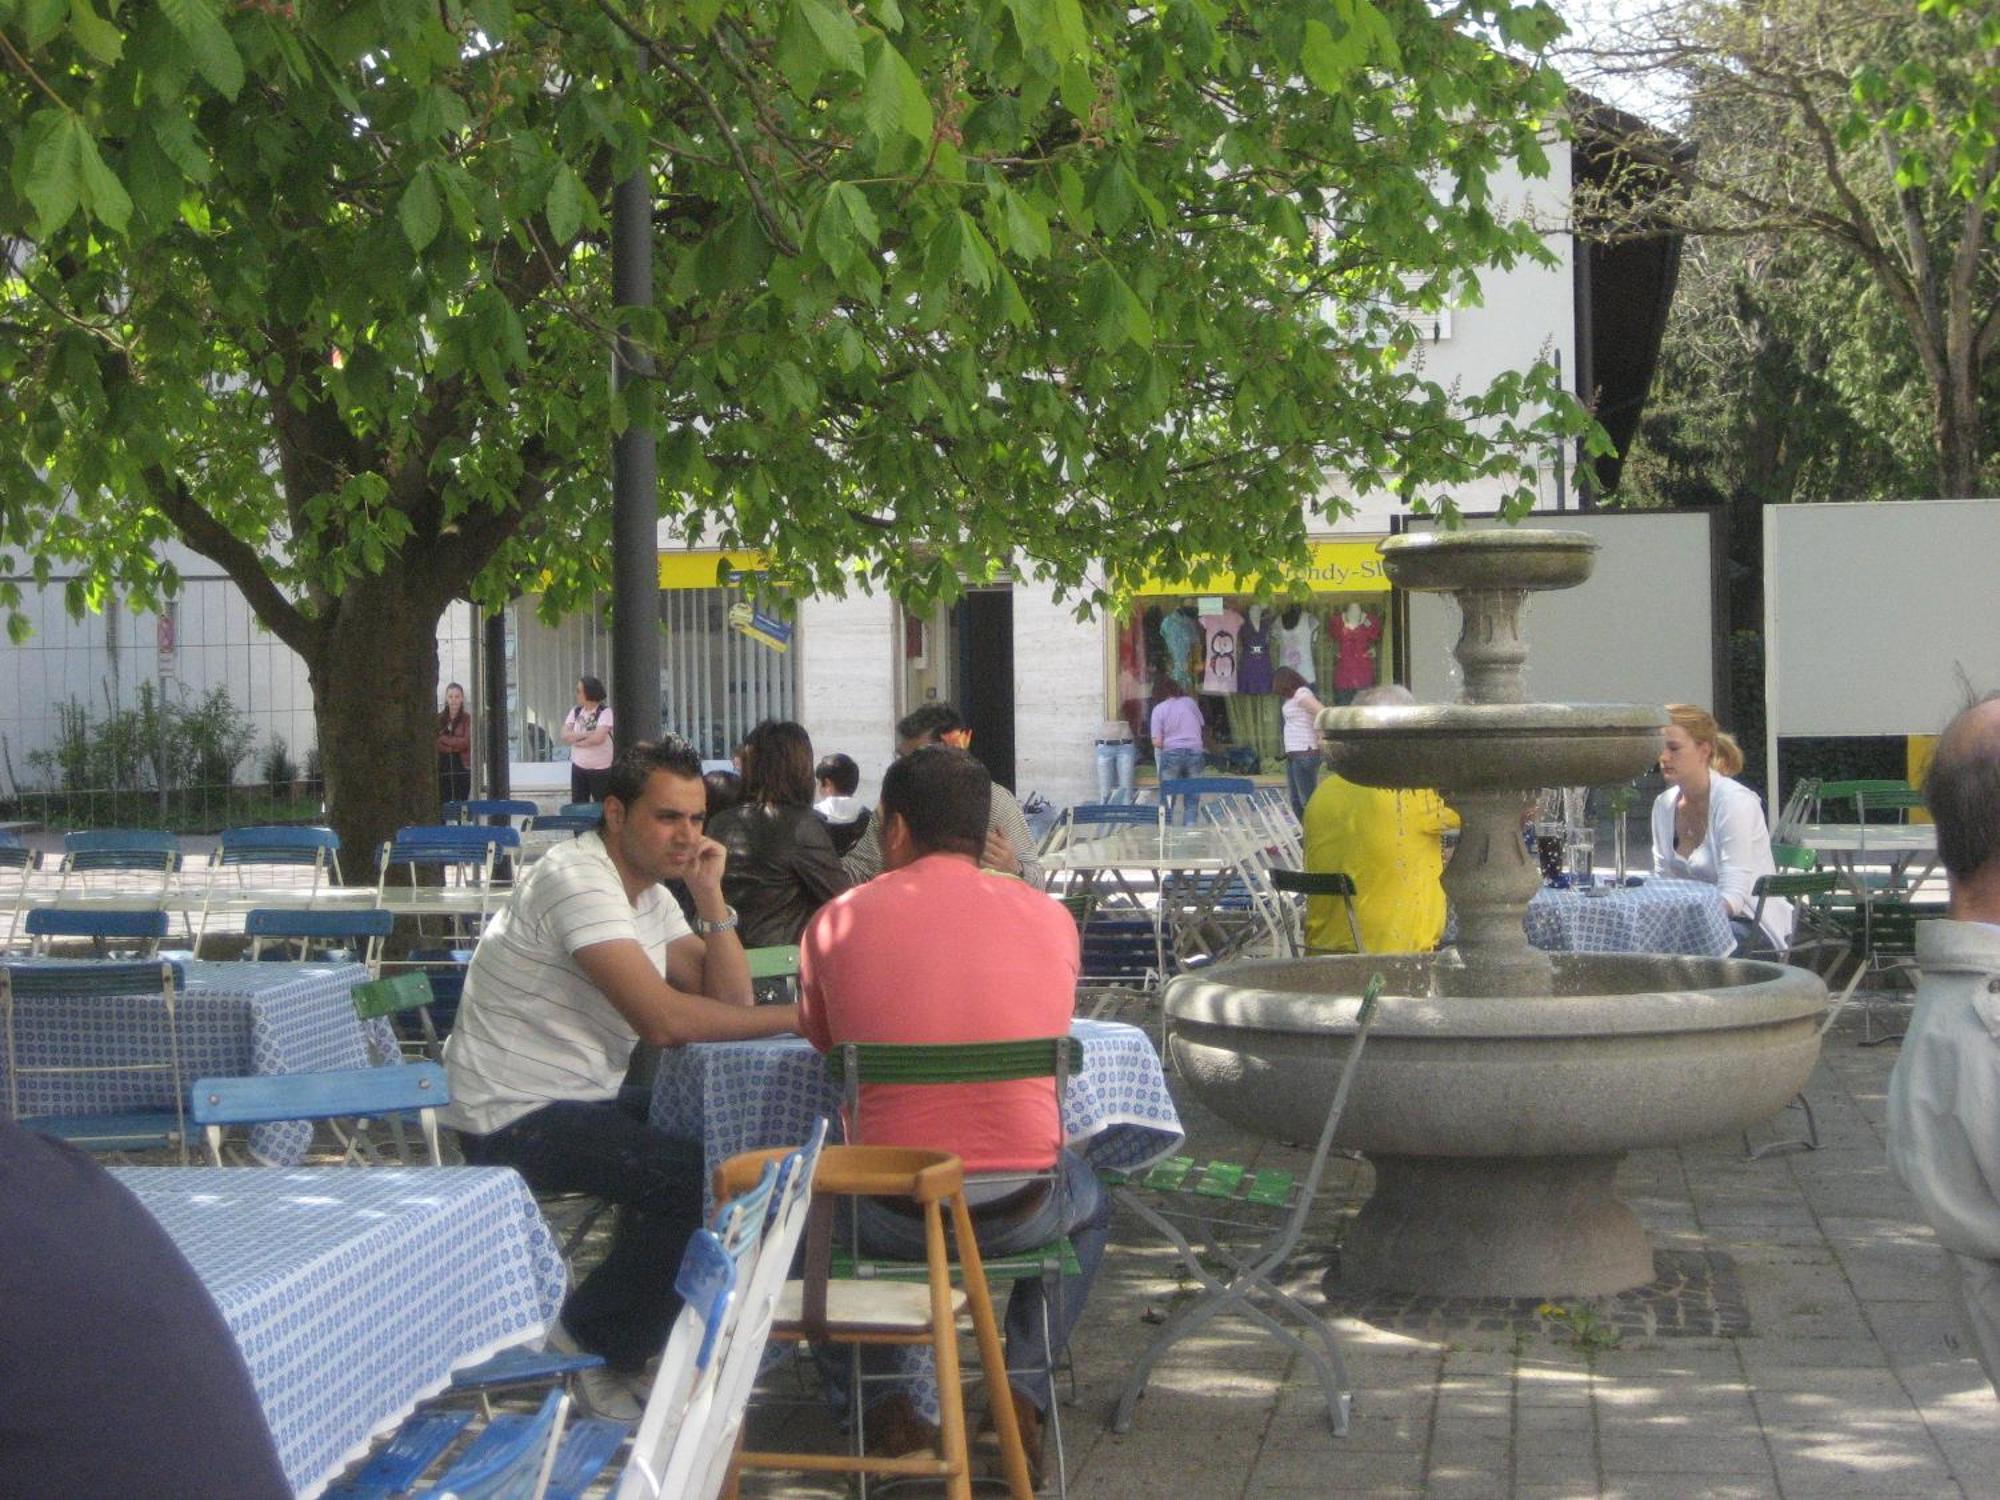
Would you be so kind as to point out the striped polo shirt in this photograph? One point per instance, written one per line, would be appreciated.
(531, 1027)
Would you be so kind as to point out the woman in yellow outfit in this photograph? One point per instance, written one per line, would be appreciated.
(1391, 845)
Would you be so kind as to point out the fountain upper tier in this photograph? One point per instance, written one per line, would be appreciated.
(1491, 746)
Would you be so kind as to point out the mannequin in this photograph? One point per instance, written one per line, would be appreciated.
(1292, 642)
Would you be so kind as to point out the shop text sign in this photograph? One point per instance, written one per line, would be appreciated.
(1333, 568)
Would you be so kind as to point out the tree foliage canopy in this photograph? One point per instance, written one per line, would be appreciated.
(323, 290)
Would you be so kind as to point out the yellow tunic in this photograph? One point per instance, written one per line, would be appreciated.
(1389, 843)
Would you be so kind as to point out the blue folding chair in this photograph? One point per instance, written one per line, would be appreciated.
(582, 809)
(511, 1459)
(356, 936)
(139, 1063)
(479, 809)
(24, 863)
(1182, 797)
(563, 822)
(119, 851)
(358, 1094)
(142, 931)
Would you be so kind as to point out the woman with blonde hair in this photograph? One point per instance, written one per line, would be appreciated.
(1707, 826)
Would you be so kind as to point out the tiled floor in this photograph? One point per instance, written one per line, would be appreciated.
(1850, 1382)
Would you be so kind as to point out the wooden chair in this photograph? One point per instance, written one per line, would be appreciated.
(887, 1312)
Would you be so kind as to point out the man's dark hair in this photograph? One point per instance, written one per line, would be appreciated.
(932, 721)
(943, 795)
(725, 790)
(627, 781)
(839, 772)
(1962, 791)
(593, 687)
(778, 764)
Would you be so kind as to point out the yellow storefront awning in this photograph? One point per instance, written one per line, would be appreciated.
(1348, 567)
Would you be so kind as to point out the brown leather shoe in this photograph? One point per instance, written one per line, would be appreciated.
(1033, 1444)
(895, 1427)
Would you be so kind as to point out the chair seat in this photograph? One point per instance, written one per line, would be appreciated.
(1057, 1256)
(125, 1131)
(890, 1306)
(1223, 1181)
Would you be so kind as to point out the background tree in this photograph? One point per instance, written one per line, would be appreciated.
(1852, 148)
(321, 290)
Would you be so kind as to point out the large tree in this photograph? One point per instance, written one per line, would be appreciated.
(322, 290)
(1853, 148)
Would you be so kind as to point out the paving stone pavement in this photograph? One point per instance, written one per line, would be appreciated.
(1851, 1381)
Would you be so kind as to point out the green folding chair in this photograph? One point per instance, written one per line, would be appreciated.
(1222, 1201)
(1309, 883)
(1820, 924)
(405, 994)
(916, 1064)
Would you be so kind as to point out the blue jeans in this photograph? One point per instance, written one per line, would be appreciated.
(1176, 764)
(1301, 776)
(626, 1307)
(1076, 1205)
(1117, 764)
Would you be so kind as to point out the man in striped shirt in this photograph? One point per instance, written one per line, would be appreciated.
(589, 957)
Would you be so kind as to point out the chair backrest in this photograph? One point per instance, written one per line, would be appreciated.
(1900, 800)
(277, 844)
(1793, 857)
(143, 929)
(393, 995)
(779, 961)
(515, 1468)
(96, 981)
(582, 810)
(1183, 795)
(757, 1297)
(350, 1092)
(919, 1063)
(471, 848)
(366, 929)
(147, 850)
(1116, 815)
(17, 856)
(477, 808)
(1847, 791)
(562, 823)
(666, 1445)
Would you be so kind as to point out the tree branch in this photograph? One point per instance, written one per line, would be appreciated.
(208, 536)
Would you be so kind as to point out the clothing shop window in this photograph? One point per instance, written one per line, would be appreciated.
(1224, 648)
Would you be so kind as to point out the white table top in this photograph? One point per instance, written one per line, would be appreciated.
(1872, 838)
(1138, 848)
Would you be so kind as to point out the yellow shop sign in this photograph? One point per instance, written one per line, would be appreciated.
(1335, 568)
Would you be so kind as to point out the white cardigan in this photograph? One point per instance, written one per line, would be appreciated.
(1736, 850)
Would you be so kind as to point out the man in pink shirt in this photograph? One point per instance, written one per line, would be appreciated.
(936, 949)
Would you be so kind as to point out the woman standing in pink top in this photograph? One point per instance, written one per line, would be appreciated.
(587, 732)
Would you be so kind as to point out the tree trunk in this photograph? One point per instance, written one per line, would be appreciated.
(1956, 426)
(374, 688)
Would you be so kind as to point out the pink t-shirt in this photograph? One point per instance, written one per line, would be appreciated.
(1176, 724)
(943, 951)
(581, 720)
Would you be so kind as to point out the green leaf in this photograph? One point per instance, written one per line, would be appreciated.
(564, 205)
(1328, 62)
(894, 99)
(419, 211)
(215, 55)
(175, 133)
(48, 168)
(800, 58)
(40, 20)
(93, 33)
(834, 29)
(889, 13)
(103, 194)
(1027, 230)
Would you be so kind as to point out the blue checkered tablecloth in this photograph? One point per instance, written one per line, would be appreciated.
(355, 1294)
(1661, 916)
(744, 1096)
(235, 1020)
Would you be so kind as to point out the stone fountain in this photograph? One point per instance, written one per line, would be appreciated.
(1501, 1085)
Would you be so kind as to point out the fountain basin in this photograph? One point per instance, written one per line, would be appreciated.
(1450, 561)
(1495, 1124)
(1469, 747)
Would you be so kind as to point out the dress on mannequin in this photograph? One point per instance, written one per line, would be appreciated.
(1218, 672)
(1292, 641)
(1355, 633)
(1253, 652)
(1181, 634)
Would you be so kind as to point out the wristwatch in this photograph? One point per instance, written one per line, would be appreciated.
(705, 927)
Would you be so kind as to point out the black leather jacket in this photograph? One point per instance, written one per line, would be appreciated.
(781, 870)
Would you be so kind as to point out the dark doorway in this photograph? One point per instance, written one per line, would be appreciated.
(983, 622)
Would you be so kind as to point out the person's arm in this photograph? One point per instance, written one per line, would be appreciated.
(864, 861)
(1663, 830)
(1742, 849)
(567, 734)
(459, 741)
(598, 735)
(1010, 847)
(713, 965)
(818, 870)
(667, 1016)
(1313, 705)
